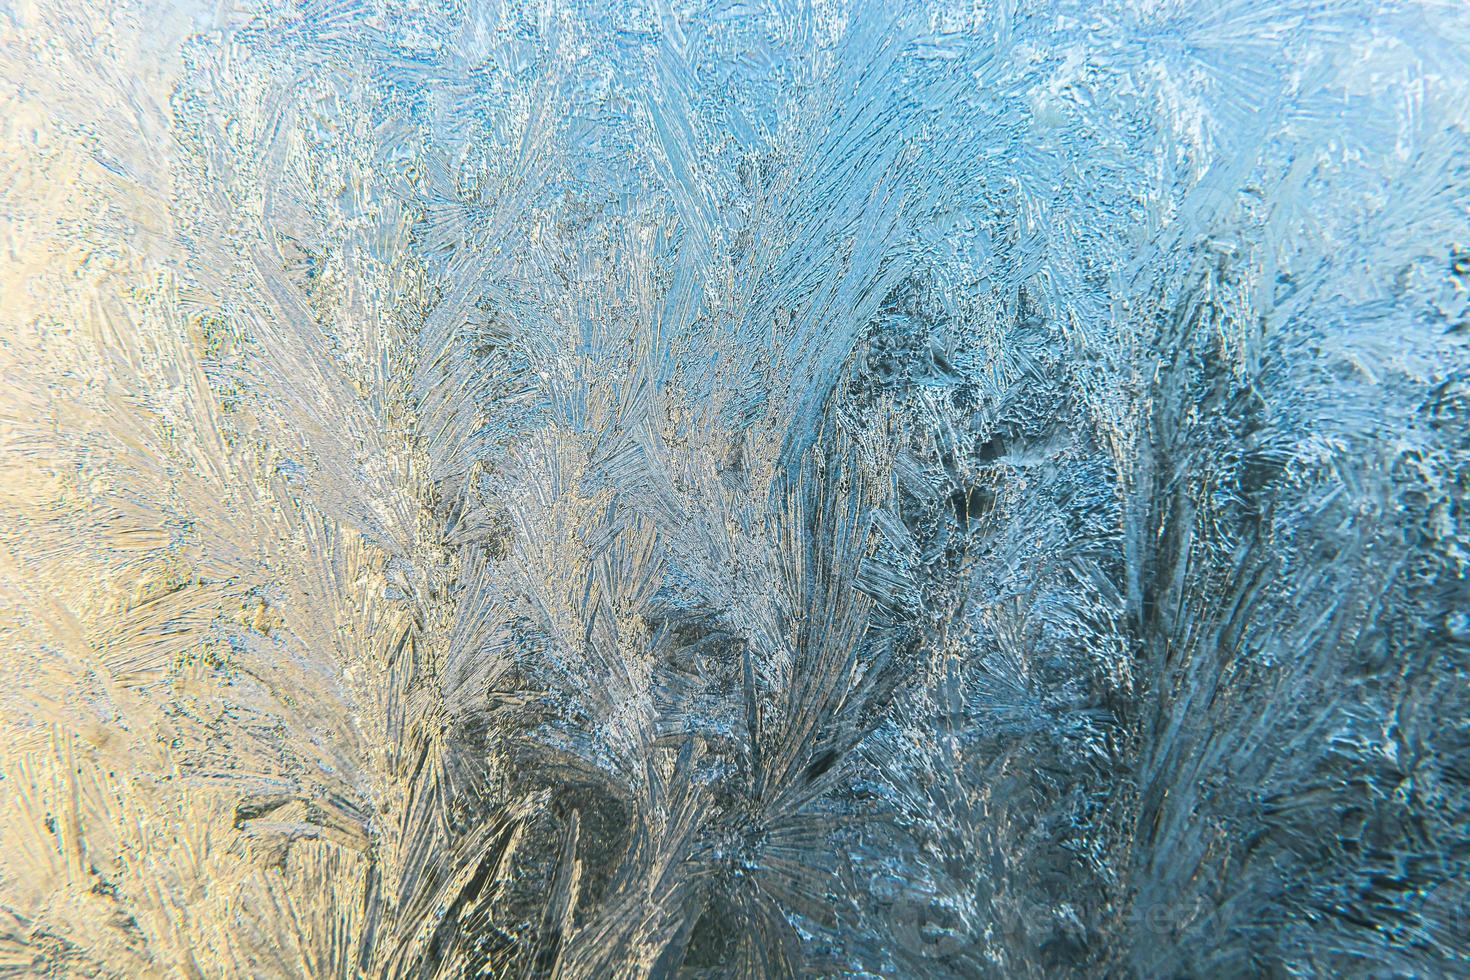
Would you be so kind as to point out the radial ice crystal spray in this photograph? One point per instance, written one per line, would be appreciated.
(712, 489)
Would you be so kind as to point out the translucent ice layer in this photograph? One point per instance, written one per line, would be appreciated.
(592, 489)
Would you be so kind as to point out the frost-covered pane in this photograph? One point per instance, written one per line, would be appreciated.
(602, 489)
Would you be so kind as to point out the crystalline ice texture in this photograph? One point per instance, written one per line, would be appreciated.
(715, 489)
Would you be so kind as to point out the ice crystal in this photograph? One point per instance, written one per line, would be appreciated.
(726, 489)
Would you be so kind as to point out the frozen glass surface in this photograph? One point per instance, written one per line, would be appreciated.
(600, 489)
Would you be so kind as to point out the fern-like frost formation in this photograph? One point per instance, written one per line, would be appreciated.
(712, 489)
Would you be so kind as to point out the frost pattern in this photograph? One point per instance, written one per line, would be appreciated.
(618, 490)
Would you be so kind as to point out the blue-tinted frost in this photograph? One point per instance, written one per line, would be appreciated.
(719, 489)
